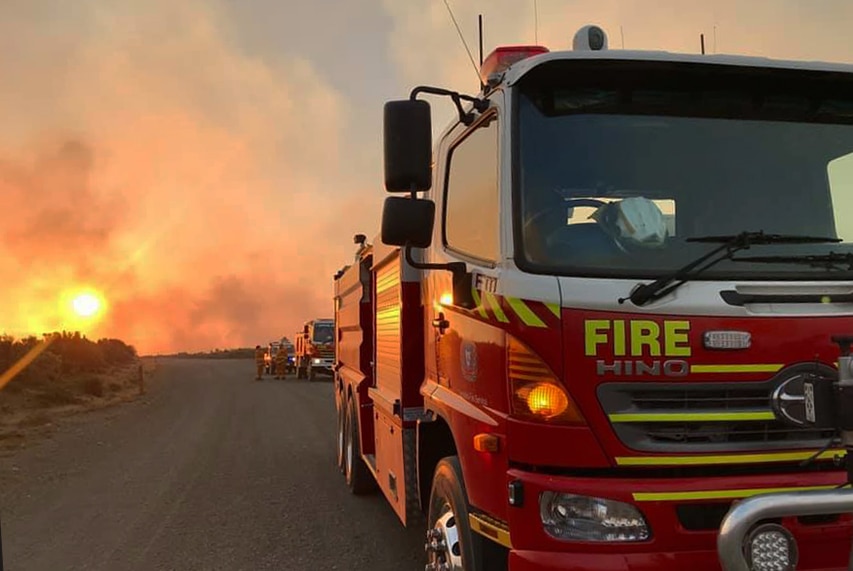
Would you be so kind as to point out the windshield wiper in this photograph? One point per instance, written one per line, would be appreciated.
(830, 261)
(729, 244)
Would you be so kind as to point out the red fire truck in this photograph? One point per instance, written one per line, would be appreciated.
(314, 349)
(583, 331)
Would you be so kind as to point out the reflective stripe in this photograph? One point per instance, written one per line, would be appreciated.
(487, 529)
(719, 494)
(555, 308)
(734, 368)
(525, 313)
(480, 307)
(727, 459)
(695, 416)
(496, 307)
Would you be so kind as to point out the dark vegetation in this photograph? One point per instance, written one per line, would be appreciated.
(241, 353)
(70, 370)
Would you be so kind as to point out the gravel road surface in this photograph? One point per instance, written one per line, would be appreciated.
(208, 470)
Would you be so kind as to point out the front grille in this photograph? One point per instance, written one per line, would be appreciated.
(704, 417)
(709, 516)
(702, 517)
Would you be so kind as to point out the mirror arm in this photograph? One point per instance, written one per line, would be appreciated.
(461, 277)
(465, 118)
(456, 268)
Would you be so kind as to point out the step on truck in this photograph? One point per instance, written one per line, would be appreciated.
(583, 332)
(314, 349)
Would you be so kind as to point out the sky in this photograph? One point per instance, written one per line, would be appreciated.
(203, 165)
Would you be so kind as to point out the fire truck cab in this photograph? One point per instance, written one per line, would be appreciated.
(314, 349)
(583, 331)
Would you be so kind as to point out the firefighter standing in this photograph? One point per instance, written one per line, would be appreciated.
(259, 361)
(281, 363)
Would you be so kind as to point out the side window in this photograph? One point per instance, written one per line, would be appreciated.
(840, 175)
(471, 193)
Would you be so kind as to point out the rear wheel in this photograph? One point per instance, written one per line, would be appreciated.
(359, 478)
(340, 436)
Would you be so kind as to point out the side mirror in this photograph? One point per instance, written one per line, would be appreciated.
(463, 286)
(408, 221)
(408, 146)
(305, 330)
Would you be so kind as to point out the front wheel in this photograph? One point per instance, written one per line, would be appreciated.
(450, 543)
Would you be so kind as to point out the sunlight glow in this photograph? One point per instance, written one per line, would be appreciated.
(86, 305)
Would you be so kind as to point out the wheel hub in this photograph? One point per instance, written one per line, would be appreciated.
(444, 551)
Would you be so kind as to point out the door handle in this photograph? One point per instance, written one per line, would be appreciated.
(441, 323)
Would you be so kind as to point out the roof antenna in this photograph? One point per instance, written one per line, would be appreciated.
(702, 40)
(464, 43)
(536, 22)
(481, 40)
(622, 33)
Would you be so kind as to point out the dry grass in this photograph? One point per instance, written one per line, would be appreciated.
(33, 406)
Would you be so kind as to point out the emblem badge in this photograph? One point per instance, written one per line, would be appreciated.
(468, 358)
(789, 401)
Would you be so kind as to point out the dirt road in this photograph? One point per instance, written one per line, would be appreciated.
(209, 470)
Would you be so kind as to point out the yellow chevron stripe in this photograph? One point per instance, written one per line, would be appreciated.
(496, 307)
(481, 309)
(718, 494)
(555, 308)
(525, 313)
(725, 459)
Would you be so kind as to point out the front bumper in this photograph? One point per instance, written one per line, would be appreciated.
(322, 364)
(679, 542)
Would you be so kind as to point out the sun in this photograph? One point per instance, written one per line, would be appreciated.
(86, 305)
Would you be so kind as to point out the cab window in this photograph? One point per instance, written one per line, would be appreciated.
(471, 193)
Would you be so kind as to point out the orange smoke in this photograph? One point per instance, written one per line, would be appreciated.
(198, 190)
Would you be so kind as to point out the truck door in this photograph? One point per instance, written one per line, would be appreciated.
(469, 349)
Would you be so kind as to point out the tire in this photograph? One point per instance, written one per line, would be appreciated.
(449, 535)
(340, 432)
(359, 479)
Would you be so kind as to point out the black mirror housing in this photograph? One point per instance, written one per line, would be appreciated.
(408, 146)
(408, 221)
(463, 290)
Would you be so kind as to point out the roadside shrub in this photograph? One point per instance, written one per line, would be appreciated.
(92, 386)
(116, 352)
(70, 366)
(58, 394)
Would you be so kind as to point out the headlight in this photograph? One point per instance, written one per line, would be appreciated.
(770, 547)
(317, 361)
(581, 518)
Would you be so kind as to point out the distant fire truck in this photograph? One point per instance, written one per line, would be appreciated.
(584, 330)
(314, 349)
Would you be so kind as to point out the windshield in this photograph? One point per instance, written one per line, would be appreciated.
(615, 190)
(324, 333)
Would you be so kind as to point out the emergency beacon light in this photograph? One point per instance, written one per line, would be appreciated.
(503, 57)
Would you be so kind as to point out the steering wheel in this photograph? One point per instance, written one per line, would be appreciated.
(534, 221)
(541, 228)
